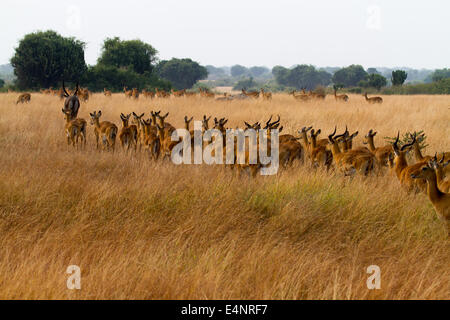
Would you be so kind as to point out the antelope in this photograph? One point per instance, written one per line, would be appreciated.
(165, 141)
(304, 136)
(373, 100)
(320, 155)
(151, 139)
(128, 135)
(252, 94)
(438, 166)
(107, 92)
(24, 98)
(205, 123)
(190, 94)
(135, 93)
(148, 94)
(403, 171)
(266, 95)
(316, 95)
(340, 97)
(381, 153)
(439, 199)
(301, 97)
(128, 93)
(75, 129)
(179, 93)
(84, 94)
(72, 103)
(137, 121)
(105, 130)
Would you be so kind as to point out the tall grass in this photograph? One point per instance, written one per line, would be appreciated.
(152, 230)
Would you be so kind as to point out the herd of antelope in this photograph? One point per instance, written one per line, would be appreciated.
(336, 152)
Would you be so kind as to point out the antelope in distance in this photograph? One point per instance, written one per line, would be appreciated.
(373, 100)
(317, 95)
(24, 98)
(135, 93)
(266, 95)
(72, 103)
(252, 94)
(107, 93)
(205, 93)
(179, 93)
(128, 93)
(128, 135)
(75, 129)
(105, 130)
(301, 96)
(340, 97)
(381, 153)
(439, 199)
(148, 94)
(84, 94)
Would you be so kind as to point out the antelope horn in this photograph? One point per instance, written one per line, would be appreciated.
(64, 89)
(409, 144)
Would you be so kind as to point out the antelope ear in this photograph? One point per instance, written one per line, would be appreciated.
(281, 129)
(318, 131)
(374, 134)
(99, 112)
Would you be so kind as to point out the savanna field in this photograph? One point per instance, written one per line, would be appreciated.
(144, 229)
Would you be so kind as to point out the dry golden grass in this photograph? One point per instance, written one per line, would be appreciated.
(145, 230)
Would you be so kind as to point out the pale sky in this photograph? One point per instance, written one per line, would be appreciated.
(390, 33)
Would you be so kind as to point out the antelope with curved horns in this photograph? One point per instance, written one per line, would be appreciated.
(72, 103)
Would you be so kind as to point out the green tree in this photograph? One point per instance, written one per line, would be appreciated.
(349, 76)
(302, 76)
(246, 84)
(238, 70)
(2, 83)
(133, 54)
(43, 59)
(373, 70)
(373, 80)
(182, 73)
(258, 71)
(440, 74)
(398, 77)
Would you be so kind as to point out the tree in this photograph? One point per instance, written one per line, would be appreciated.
(133, 54)
(440, 74)
(398, 77)
(238, 70)
(183, 73)
(372, 71)
(246, 84)
(302, 76)
(2, 83)
(349, 76)
(373, 80)
(258, 71)
(43, 59)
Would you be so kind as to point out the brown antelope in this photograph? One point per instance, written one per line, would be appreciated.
(105, 130)
(128, 93)
(72, 103)
(151, 139)
(148, 94)
(304, 137)
(252, 94)
(179, 93)
(439, 199)
(316, 95)
(320, 155)
(190, 94)
(107, 93)
(165, 141)
(135, 93)
(381, 153)
(75, 129)
(24, 98)
(438, 166)
(373, 100)
(300, 97)
(266, 95)
(340, 97)
(137, 121)
(403, 171)
(84, 94)
(128, 135)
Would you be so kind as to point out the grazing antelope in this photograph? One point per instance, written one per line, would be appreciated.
(373, 100)
(252, 94)
(24, 98)
(72, 103)
(75, 129)
(403, 171)
(381, 153)
(266, 95)
(107, 93)
(340, 97)
(439, 199)
(128, 135)
(128, 93)
(105, 130)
